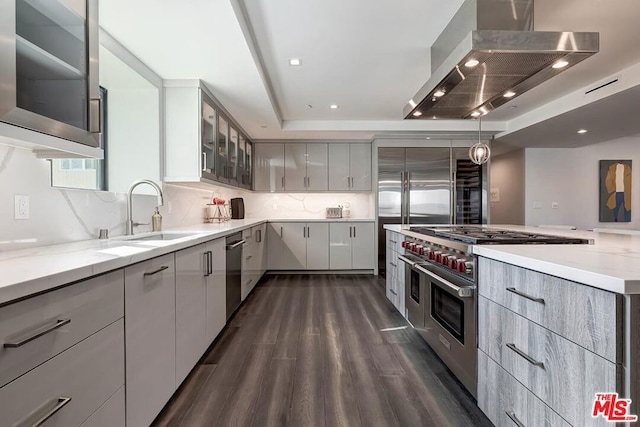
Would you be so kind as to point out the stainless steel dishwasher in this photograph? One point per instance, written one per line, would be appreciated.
(234, 270)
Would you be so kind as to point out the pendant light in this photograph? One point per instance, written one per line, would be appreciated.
(480, 152)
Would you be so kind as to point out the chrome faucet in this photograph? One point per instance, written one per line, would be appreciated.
(130, 224)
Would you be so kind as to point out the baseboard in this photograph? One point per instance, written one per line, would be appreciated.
(368, 272)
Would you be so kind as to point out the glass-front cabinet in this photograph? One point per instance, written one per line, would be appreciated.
(248, 166)
(49, 68)
(223, 145)
(232, 163)
(208, 134)
(242, 143)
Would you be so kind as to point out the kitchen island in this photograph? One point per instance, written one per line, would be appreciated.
(556, 324)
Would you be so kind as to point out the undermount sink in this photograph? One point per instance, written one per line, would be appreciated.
(160, 236)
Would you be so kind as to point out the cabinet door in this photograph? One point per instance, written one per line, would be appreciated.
(362, 245)
(222, 153)
(339, 175)
(287, 247)
(216, 289)
(191, 307)
(261, 252)
(269, 167)
(295, 164)
(49, 81)
(340, 245)
(150, 336)
(232, 160)
(317, 245)
(360, 167)
(317, 167)
(208, 139)
(248, 164)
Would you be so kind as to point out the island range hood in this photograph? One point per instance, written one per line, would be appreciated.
(488, 55)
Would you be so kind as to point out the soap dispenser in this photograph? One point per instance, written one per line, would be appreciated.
(156, 221)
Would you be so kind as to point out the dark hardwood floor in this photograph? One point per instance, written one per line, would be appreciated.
(320, 350)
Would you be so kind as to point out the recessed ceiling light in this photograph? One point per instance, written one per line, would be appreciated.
(560, 64)
(294, 62)
(471, 63)
(582, 131)
(428, 137)
(334, 106)
(417, 113)
(433, 99)
(475, 114)
(439, 93)
(509, 94)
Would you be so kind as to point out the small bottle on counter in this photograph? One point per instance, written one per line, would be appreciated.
(156, 221)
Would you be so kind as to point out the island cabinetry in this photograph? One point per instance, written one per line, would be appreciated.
(551, 343)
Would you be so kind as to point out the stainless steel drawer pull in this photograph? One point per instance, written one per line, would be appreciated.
(249, 257)
(512, 416)
(51, 407)
(393, 292)
(395, 265)
(523, 295)
(235, 245)
(42, 330)
(151, 273)
(525, 356)
(393, 241)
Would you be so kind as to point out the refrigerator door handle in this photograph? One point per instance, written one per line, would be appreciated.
(403, 195)
(407, 199)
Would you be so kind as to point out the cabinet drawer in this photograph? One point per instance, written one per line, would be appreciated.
(504, 400)
(562, 374)
(110, 414)
(587, 316)
(88, 373)
(69, 315)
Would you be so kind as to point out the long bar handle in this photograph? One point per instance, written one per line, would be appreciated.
(207, 263)
(59, 323)
(393, 292)
(282, 182)
(512, 416)
(354, 231)
(350, 232)
(462, 292)
(235, 245)
(524, 355)
(281, 232)
(258, 236)
(60, 403)
(308, 233)
(96, 115)
(151, 273)
(523, 295)
(304, 232)
(406, 260)
(204, 161)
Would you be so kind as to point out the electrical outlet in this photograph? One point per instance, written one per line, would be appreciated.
(537, 205)
(21, 205)
(555, 205)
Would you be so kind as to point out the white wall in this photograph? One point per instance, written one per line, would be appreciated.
(569, 176)
(507, 177)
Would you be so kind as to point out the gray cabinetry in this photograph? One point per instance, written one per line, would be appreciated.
(49, 80)
(305, 167)
(350, 167)
(269, 167)
(546, 345)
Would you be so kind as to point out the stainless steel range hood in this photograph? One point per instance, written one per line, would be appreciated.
(489, 50)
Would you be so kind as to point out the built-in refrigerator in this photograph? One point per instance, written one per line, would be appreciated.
(428, 185)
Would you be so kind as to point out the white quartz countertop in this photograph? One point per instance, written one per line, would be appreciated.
(30, 271)
(611, 262)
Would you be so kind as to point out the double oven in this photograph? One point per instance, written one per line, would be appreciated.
(441, 306)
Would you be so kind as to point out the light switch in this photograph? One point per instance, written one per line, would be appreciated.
(21, 206)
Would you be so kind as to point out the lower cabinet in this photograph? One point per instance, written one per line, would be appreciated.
(150, 324)
(216, 289)
(395, 273)
(351, 245)
(192, 275)
(298, 246)
(71, 386)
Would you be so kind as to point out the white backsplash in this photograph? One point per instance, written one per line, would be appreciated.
(59, 215)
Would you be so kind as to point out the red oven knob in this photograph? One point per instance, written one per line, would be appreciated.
(453, 263)
(432, 255)
(444, 260)
(420, 249)
(438, 257)
(404, 244)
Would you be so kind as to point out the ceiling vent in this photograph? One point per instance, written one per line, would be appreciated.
(488, 55)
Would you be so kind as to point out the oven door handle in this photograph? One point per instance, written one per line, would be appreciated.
(462, 292)
(406, 260)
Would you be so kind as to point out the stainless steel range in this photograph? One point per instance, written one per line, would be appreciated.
(440, 280)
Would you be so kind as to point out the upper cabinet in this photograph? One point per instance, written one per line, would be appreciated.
(305, 167)
(202, 144)
(269, 167)
(299, 167)
(350, 167)
(49, 80)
